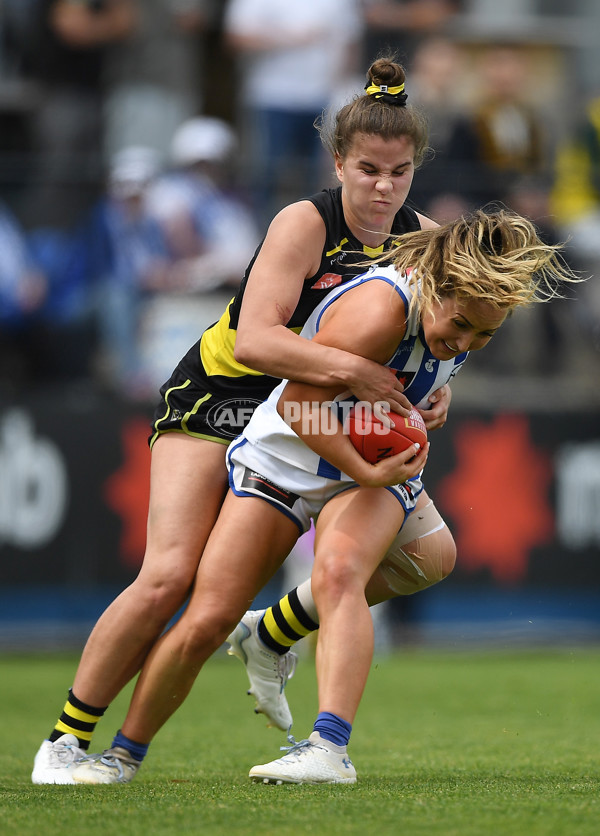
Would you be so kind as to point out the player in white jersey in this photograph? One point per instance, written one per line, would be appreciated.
(465, 279)
(270, 447)
(422, 554)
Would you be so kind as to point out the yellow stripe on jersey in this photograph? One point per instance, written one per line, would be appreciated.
(372, 251)
(369, 251)
(216, 350)
(338, 248)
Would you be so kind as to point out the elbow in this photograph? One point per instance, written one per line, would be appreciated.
(246, 352)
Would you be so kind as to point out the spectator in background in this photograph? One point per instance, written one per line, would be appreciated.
(22, 293)
(155, 78)
(63, 49)
(575, 203)
(210, 233)
(401, 25)
(438, 90)
(554, 324)
(501, 139)
(128, 257)
(210, 230)
(292, 59)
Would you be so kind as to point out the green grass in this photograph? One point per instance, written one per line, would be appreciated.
(456, 744)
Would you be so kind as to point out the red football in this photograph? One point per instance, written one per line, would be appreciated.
(374, 441)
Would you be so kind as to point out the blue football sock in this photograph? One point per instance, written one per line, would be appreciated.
(135, 749)
(333, 728)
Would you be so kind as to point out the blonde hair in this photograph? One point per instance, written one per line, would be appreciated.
(496, 257)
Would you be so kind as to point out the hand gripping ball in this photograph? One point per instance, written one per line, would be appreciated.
(374, 441)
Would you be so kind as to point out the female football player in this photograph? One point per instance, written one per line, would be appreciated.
(446, 294)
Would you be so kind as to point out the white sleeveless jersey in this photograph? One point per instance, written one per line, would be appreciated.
(420, 372)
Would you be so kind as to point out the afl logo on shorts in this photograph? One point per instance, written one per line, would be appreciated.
(229, 418)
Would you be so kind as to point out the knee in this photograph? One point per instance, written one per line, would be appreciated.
(202, 630)
(420, 564)
(161, 594)
(334, 575)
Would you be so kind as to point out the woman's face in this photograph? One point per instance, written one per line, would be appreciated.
(459, 326)
(376, 176)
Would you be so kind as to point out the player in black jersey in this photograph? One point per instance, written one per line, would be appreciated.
(376, 141)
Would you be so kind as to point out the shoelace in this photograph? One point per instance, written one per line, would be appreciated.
(94, 756)
(64, 754)
(296, 747)
(113, 763)
(286, 667)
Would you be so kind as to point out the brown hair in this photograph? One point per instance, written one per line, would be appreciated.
(368, 114)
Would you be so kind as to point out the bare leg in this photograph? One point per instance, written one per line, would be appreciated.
(353, 530)
(249, 542)
(187, 484)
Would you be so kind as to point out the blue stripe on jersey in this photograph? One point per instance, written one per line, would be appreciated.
(420, 380)
(366, 277)
(328, 471)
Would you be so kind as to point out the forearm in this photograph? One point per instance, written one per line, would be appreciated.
(280, 352)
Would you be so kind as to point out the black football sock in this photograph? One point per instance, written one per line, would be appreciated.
(79, 719)
(285, 623)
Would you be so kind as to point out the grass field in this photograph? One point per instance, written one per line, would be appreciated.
(456, 744)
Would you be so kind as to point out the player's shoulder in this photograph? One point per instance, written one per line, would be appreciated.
(374, 292)
(383, 279)
(300, 209)
(299, 222)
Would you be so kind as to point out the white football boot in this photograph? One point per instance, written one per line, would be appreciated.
(268, 672)
(312, 761)
(113, 766)
(54, 762)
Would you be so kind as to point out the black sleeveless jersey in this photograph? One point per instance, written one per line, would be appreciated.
(211, 360)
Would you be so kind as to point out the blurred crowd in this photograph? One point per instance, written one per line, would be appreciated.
(145, 145)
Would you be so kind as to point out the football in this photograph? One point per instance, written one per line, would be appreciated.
(374, 441)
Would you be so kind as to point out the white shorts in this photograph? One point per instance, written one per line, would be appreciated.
(298, 494)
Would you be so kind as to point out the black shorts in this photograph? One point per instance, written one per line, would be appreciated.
(207, 406)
